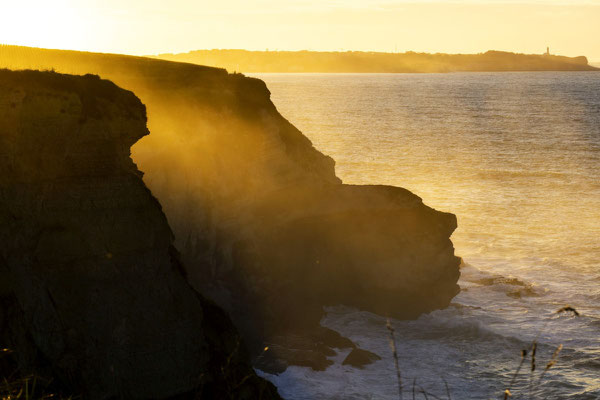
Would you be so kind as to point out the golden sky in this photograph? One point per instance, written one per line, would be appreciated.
(569, 27)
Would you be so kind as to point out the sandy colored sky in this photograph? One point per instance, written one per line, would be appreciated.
(569, 27)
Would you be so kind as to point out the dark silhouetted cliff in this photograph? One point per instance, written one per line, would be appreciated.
(358, 61)
(93, 293)
(264, 226)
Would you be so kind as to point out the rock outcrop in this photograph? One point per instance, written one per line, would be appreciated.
(358, 358)
(92, 292)
(264, 226)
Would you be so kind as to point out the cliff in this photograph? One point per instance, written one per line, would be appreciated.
(264, 226)
(93, 294)
(358, 61)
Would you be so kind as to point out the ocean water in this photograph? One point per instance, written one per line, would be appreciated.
(516, 156)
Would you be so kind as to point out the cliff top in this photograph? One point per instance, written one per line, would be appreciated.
(89, 88)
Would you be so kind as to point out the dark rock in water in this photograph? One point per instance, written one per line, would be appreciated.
(307, 348)
(93, 292)
(515, 288)
(360, 358)
(332, 338)
(264, 226)
(278, 358)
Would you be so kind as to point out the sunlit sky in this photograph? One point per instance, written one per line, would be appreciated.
(569, 27)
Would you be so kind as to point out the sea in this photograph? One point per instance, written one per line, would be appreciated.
(516, 156)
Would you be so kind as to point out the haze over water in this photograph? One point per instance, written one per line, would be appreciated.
(516, 156)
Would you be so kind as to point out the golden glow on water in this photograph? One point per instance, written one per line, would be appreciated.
(513, 155)
(458, 26)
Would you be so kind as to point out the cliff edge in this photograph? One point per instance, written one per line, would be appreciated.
(264, 226)
(93, 294)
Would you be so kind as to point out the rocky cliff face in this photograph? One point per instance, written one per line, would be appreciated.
(264, 226)
(93, 293)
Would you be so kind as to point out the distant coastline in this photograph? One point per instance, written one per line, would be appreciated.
(373, 62)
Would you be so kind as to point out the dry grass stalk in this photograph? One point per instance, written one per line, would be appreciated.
(447, 389)
(533, 347)
(424, 393)
(533, 351)
(395, 354)
(551, 362)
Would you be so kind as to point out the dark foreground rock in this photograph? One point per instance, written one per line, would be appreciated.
(92, 291)
(264, 226)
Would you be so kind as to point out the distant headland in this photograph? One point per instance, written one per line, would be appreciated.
(373, 62)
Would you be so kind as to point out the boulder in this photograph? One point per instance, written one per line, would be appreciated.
(360, 358)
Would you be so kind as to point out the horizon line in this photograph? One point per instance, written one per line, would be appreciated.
(293, 51)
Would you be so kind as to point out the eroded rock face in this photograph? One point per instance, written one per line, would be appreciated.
(93, 292)
(264, 226)
(376, 248)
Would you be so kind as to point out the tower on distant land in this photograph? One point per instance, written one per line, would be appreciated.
(547, 51)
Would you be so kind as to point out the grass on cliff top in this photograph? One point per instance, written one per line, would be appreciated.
(89, 88)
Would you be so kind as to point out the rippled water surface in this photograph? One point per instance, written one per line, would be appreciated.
(516, 156)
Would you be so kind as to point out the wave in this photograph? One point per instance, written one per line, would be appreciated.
(510, 285)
